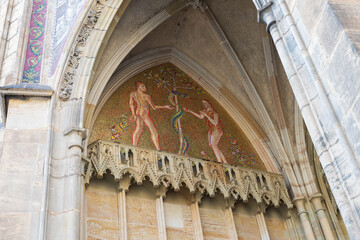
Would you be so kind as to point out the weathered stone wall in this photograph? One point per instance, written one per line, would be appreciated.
(323, 68)
(103, 219)
(22, 166)
(347, 12)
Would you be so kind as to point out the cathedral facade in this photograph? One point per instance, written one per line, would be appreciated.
(179, 119)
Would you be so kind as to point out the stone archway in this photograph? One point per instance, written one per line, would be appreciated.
(69, 114)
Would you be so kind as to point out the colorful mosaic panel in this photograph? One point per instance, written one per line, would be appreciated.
(163, 108)
(35, 45)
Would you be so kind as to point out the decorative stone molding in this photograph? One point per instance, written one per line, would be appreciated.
(176, 171)
(261, 4)
(77, 50)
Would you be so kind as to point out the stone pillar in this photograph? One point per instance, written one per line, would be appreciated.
(195, 216)
(260, 219)
(304, 218)
(320, 212)
(160, 213)
(72, 213)
(122, 220)
(84, 162)
(332, 145)
(229, 218)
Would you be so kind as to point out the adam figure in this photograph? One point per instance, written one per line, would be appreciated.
(140, 104)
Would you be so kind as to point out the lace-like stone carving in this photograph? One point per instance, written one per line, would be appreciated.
(174, 171)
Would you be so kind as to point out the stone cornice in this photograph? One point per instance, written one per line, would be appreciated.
(174, 171)
(31, 90)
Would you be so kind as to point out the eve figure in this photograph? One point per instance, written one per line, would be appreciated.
(140, 103)
(215, 131)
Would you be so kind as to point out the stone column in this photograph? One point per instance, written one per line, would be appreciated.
(160, 213)
(72, 213)
(329, 138)
(229, 218)
(304, 218)
(195, 216)
(320, 212)
(260, 219)
(84, 162)
(122, 220)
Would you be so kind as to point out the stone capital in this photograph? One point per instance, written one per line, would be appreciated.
(124, 184)
(261, 208)
(300, 205)
(316, 200)
(266, 15)
(230, 202)
(196, 197)
(76, 137)
(161, 191)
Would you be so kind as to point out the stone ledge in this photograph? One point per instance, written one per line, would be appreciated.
(33, 90)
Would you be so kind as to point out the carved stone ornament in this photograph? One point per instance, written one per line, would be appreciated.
(77, 50)
(174, 171)
(196, 4)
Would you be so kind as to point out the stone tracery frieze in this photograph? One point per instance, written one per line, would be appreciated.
(176, 171)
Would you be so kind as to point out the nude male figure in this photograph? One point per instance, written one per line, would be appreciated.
(140, 103)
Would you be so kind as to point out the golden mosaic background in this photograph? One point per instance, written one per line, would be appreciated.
(113, 124)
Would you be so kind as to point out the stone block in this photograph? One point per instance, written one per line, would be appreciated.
(213, 224)
(8, 65)
(18, 10)
(352, 130)
(293, 50)
(102, 229)
(23, 158)
(63, 226)
(329, 30)
(141, 211)
(27, 113)
(59, 149)
(343, 73)
(311, 11)
(14, 226)
(102, 205)
(20, 192)
(13, 30)
(12, 45)
(25, 136)
(301, 27)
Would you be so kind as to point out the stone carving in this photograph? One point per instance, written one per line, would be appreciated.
(260, 4)
(76, 53)
(196, 4)
(175, 171)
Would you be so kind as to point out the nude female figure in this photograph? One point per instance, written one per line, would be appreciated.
(140, 103)
(215, 131)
